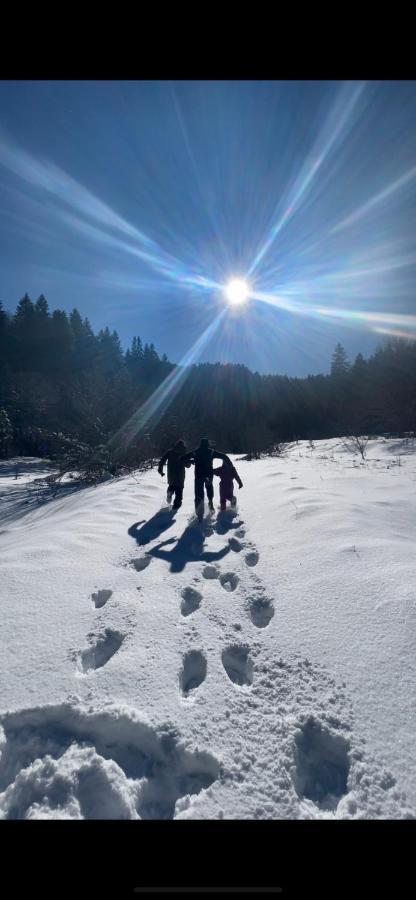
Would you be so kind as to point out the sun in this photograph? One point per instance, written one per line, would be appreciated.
(237, 291)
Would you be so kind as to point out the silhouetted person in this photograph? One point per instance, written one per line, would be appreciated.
(176, 472)
(226, 473)
(203, 457)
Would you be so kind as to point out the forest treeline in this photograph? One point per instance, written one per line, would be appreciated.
(66, 391)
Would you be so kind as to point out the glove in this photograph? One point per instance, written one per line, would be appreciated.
(240, 486)
(161, 472)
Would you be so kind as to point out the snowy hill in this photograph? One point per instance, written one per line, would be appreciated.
(261, 665)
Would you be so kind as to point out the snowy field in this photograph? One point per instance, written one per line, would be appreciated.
(261, 665)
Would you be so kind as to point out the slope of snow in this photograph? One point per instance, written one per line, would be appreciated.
(260, 665)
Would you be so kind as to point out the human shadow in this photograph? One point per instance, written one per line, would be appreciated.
(227, 520)
(152, 528)
(189, 548)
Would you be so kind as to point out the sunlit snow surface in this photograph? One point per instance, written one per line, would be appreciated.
(259, 666)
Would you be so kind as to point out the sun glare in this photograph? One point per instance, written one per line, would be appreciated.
(237, 291)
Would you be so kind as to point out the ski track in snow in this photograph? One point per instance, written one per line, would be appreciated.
(67, 761)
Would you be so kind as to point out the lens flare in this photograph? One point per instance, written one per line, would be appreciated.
(237, 291)
(318, 247)
(152, 410)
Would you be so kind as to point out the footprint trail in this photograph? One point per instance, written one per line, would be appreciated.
(238, 664)
(99, 654)
(193, 672)
(191, 601)
(100, 597)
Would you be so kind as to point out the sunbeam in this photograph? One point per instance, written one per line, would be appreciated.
(153, 409)
(370, 319)
(64, 189)
(335, 127)
(305, 192)
(368, 207)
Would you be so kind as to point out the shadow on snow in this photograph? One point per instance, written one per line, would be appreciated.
(189, 548)
(152, 528)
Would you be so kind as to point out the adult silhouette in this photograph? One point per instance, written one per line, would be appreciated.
(203, 458)
(176, 473)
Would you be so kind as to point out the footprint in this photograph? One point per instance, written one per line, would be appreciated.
(97, 656)
(261, 612)
(229, 581)
(191, 600)
(93, 763)
(237, 664)
(100, 597)
(322, 764)
(241, 533)
(252, 558)
(193, 672)
(210, 572)
(235, 545)
(141, 562)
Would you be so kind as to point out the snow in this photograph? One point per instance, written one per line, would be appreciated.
(260, 665)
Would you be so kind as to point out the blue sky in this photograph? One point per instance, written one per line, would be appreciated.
(137, 201)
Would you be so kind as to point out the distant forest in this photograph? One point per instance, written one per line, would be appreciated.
(65, 391)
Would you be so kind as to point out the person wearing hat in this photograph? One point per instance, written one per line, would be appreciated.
(176, 472)
(203, 457)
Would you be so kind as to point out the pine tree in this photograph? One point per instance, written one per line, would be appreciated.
(4, 329)
(23, 322)
(62, 341)
(359, 362)
(3, 318)
(25, 311)
(6, 433)
(110, 356)
(41, 309)
(136, 350)
(76, 324)
(339, 361)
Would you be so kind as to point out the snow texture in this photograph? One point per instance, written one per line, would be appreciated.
(258, 665)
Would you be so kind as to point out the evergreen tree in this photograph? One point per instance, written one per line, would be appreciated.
(339, 361)
(23, 322)
(360, 365)
(110, 356)
(3, 315)
(6, 433)
(25, 312)
(41, 309)
(59, 378)
(4, 333)
(62, 341)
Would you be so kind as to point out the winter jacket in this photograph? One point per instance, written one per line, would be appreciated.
(227, 475)
(203, 457)
(176, 466)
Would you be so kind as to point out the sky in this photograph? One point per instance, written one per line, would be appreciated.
(137, 202)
